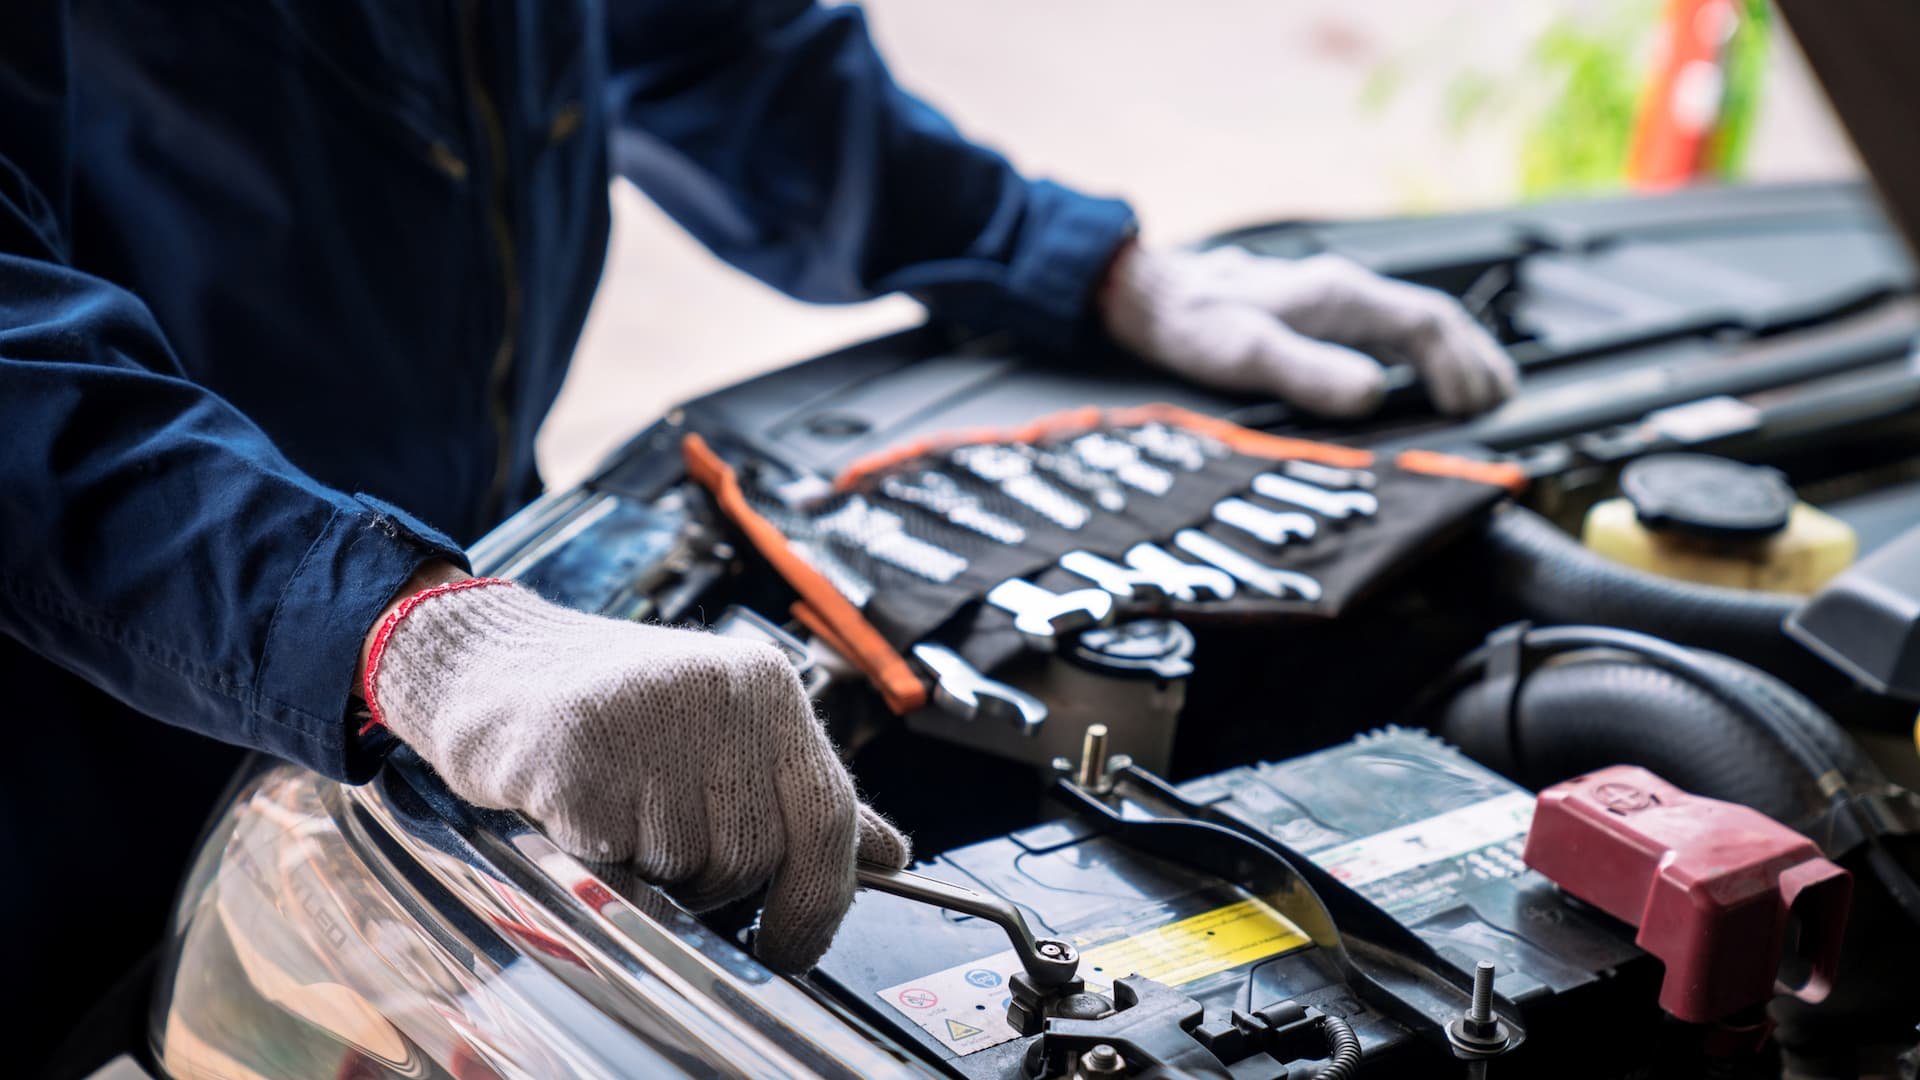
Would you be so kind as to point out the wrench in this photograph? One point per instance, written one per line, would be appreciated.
(1328, 476)
(1080, 476)
(1125, 582)
(1013, 474)
(1256, 575)
(1275, 527)
(1041, 615)
(936, 491)
(1182, 448)
(960, 688)
(1122, 459)
(1338, 505)
(882, 534)
(818, 553)
(858, 590)
(1183, 580)
(1048, 962)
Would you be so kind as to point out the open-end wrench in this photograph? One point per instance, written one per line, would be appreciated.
(1125, 582)
(1183, 448)
(858, 590)
(1121, 459)
(1276, 527)
(960, 688)
(1042, 615)
(812, 546)
(1105, 491)
(1252, 573)
(1179, 578)
(1013, 473)
(936, 491)
(1330, 477)
(882, 534)
(1338, 505)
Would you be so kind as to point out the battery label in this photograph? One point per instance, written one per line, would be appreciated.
(1444, 836)
(965, 1006)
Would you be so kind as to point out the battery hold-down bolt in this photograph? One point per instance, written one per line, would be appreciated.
(1095, 770)
(1478, 1033)
(1101, 1060)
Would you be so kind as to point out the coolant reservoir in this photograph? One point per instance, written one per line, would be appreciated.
(1718, 522)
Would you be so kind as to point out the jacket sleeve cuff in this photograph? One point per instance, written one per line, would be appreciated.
(1075, 238)
(356, 567)
(1036, 280)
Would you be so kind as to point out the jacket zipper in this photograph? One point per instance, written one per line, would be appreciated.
(500, 223)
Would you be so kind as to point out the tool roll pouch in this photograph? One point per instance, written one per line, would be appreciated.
(1236, 524)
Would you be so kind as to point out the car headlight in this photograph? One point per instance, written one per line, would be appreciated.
(391, 930)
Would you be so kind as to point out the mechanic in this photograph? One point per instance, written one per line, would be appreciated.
(285, 292)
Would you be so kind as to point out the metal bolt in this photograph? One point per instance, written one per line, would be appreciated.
(1102, 1060)
(1093, 758)
(1481, 1012)
(1479, 1032)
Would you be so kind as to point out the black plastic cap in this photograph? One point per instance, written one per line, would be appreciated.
(1710, 497)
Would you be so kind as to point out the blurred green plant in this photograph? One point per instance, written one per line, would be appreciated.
(1577, 95)
(1746, 68)
(1579, 140)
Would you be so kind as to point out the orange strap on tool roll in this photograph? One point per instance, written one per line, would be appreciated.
(846, 629)
(1244, 439)
(1433, 463)
(820, 627)
(1084, 418)
(1087, 418)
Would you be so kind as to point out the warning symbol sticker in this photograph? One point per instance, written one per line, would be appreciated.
(965, 1006)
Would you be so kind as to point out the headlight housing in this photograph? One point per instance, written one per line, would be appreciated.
(391, 930)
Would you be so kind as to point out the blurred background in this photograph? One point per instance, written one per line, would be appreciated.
(1225, 112)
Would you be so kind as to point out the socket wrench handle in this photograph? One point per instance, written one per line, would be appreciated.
(1049, 962)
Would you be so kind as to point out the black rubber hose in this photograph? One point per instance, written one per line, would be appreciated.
(1597, 709)
(1707, 723)
(1807, 734)
(1553, 579)
(1797, 718)
(1344, 1061)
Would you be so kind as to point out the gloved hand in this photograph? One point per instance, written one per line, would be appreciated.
(1290, 327)
(696, 758)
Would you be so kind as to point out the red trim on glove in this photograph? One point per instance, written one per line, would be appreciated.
(401, 611)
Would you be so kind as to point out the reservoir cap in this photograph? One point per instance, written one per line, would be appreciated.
(1706, 496)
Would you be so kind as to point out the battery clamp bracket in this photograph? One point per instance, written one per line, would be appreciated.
(1155, 1027)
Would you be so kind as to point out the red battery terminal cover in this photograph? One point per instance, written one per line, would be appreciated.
(1736, 905)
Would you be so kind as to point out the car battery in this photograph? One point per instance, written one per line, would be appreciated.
(1406, 821)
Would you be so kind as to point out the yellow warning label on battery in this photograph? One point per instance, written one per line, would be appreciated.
(964, 1007)
(1196, 946)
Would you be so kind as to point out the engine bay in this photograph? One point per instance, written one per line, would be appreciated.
(1299, 753)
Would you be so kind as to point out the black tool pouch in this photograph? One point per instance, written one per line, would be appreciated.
(1210, 521)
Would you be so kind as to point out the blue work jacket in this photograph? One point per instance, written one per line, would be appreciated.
(286, 288)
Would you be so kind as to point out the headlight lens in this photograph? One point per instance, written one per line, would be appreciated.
(390, 931)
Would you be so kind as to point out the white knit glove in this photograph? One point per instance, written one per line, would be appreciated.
(695, 758)
(1290, 327)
